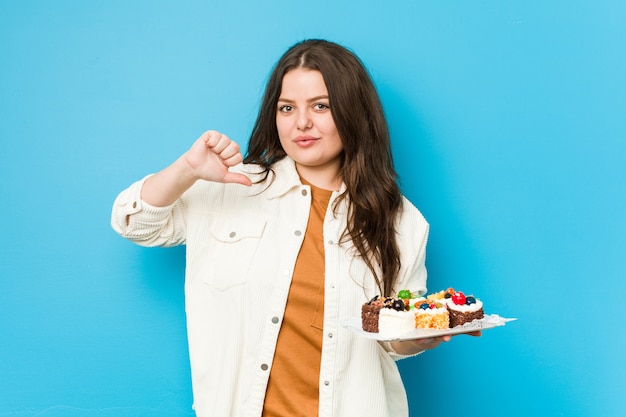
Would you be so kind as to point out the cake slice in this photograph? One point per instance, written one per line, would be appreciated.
(464, 309)
(430, 314)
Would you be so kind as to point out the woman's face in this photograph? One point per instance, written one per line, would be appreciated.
(306, 127)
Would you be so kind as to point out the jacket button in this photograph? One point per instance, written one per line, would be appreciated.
(232, 234)
(304, 193)
(275, 320)
(264, 367)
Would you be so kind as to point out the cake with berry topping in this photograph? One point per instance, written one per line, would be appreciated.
(464, 309)
(409, 297)
(387, 316)
(441, 296)
(395, 320)
(431, 314)
(395, 316)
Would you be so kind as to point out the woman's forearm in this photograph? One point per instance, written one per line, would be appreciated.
(167, 185)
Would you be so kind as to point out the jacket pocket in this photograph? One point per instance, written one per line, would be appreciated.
(235, 243)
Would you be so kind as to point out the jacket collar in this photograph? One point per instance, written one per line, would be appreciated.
(282, 178)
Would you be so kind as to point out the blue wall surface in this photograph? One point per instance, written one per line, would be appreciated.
(509, 128)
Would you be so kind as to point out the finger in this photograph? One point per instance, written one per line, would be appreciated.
(231, 150)
(475, 333)
(438, 339)
(430, 342)
(435, 341)
(208, 136)
(213, 139)
(233, 160)
(223, 143)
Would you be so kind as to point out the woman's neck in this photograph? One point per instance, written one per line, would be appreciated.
(326, 178)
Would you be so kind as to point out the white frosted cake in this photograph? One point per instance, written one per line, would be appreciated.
(393, 323)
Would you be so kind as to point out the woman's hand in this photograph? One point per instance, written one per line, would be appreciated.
(210, 157)
(411, 347)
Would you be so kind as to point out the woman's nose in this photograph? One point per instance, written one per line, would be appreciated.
(304, 121)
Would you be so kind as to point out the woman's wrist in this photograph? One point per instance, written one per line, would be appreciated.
(413, 347)
(166, 186)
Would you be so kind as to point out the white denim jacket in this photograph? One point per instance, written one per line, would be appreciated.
(242, 243)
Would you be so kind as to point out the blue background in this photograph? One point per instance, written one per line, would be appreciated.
(509, 130)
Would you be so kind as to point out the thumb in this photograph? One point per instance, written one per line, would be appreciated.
(233, 177)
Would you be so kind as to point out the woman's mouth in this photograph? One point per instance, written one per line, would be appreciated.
(305, 141)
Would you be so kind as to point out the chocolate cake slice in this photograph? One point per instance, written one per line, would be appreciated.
(458, 318)
(370, 312)
(369, 317)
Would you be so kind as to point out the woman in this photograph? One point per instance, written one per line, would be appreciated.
(288, 244)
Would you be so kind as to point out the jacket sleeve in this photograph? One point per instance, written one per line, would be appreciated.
(146, 225)
(413, 237)
(413, 232)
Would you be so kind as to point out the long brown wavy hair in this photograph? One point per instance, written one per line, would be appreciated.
(372, 191)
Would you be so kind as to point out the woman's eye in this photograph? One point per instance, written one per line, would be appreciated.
(285, 108)
(321, 106)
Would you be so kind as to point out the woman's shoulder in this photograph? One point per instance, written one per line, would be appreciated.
(410, 214)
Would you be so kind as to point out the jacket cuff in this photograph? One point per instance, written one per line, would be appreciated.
(129, 202)
(395, 355)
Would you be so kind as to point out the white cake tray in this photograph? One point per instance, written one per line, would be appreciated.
(488, 322)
